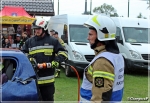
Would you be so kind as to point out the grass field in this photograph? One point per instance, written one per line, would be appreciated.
(136, 85)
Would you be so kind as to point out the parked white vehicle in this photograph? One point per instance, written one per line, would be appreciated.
(70, 28)
(132, 37)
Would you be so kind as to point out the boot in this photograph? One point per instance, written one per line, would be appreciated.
(57, 73)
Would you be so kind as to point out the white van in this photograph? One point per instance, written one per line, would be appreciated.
(132, 37)
(70, 28)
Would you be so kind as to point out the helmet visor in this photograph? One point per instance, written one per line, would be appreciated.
(36, 27)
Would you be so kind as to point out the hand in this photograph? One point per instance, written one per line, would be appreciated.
(55, 64)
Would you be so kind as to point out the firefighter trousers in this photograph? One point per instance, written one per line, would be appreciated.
(47, 92)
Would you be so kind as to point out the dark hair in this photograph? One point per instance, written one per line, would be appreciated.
(52, 30)
(56, 32)
(92, 28)
(111, 45)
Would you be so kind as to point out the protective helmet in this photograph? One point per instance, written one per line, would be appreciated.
(40, 23)
(105, 27)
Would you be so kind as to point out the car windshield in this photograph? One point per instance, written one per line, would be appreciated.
(78, 33)
(136, 35)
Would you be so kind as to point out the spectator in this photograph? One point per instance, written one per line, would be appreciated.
(6, 44)
(52, 32)
(23, 39)
(11, 30)
(55, 35)
(19, 30)
(17, 40)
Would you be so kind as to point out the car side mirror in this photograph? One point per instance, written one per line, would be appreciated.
(118, 40)
(66, 41)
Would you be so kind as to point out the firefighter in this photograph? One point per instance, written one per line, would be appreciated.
(55, 35)
(43, 47)
(103, 78)
(52, 32)
(24, 37)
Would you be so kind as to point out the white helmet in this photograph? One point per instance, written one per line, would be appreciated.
(40, 23)
(105, 27)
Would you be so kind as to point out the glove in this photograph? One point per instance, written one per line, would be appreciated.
(54, 64)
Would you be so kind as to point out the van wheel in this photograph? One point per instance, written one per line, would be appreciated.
(68, 71)
(126, 71)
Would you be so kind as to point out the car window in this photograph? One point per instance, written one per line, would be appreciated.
(9, 66)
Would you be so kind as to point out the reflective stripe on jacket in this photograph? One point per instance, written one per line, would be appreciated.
(43, 49)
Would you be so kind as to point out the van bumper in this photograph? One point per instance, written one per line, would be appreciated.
(134, 65)
(79, 66)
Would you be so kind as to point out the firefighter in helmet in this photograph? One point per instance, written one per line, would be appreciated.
(43, 47)
(103, 78)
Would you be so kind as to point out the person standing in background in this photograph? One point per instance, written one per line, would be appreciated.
(55, 35)
(24, 37)
(11, 30)
(7, 44)
(52, 32)
(19, 30)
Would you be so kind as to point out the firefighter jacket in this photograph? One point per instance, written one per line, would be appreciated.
(61, 42)
(43, 49)
(103, 78)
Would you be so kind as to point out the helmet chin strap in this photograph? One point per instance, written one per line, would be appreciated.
(95, 44)
(41, 35)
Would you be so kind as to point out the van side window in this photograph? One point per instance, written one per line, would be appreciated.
(118, 33)
(64, 37)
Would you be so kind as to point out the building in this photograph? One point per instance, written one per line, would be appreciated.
(33, 7)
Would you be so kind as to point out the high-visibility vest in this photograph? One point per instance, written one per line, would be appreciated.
(117, 92)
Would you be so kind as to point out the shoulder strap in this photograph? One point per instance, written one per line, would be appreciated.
(95, 58)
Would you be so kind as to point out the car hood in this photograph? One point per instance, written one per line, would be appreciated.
(83, 48)
(141, 48)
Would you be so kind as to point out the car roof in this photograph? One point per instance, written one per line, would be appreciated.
(8, 49)
(11, 52)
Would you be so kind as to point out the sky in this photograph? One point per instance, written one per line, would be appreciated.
(78, 7)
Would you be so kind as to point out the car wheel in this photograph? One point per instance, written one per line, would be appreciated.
(126, 71)
(68, 71)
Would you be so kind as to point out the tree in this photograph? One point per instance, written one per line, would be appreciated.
(141, 16)
(106, 9)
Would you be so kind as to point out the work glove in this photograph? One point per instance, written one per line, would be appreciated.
(54, 64)
(33, 62)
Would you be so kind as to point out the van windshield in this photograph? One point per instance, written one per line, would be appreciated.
(78, 33)
(136, 35)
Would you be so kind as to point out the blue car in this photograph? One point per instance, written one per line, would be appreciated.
(20, 83)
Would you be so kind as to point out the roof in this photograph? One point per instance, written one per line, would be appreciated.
(33, 7)
(15, 15)
(131, 22)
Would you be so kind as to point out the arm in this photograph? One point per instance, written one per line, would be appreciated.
(102, 84)
(62, 42)
(60, 51)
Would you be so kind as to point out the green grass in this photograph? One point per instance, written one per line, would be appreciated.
(66, 88)
(135, 85)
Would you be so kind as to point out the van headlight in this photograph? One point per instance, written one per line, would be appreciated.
(134, 54)
(77, 56)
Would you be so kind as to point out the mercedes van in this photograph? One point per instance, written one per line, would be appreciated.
(70, 29)
(132, 37)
